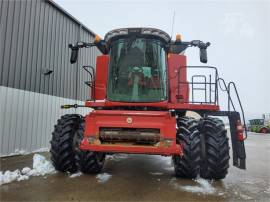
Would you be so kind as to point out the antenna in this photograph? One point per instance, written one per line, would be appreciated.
(173, 23)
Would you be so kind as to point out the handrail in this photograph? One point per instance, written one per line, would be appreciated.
(226, 89)
(92, 75)
(215, 73)
(205, 83)
(240, 104)
(230, 102)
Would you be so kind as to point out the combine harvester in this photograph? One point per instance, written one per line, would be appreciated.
(141, 90)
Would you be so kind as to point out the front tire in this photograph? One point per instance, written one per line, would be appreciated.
(87, 161)
(188, 166)
(215, 152)
(62, 147)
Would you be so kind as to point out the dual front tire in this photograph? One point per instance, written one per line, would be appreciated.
(66, 155)
(188, 165)
(205, 148)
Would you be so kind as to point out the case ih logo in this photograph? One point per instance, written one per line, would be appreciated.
(129, 120)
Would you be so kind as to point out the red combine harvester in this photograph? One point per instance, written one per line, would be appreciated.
(141, 90)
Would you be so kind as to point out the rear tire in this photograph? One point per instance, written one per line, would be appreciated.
(62, 147)
(87, 161)
(215, 152)
(188, 166)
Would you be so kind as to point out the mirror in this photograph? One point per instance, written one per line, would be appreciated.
(203, 55)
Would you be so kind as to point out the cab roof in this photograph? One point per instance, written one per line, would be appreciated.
(139, 32)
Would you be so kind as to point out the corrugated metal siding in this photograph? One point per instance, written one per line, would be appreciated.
(28, 118)
(35, 37)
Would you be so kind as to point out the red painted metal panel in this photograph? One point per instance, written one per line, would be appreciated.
(101, 77)
(193, 106)
(161, 120)
(174, 150)
(165, 105)
(106, 103)
(174, 62)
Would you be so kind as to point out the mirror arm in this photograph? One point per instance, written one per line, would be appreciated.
(75, 50)
(80, 45)
(199, 44)
(183, 45)
(177, 47)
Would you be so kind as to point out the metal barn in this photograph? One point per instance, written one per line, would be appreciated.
(36, 77)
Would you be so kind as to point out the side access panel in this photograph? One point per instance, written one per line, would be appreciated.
(179, 90)
(101, 77)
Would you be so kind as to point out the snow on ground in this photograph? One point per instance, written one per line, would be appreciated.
(23, 152)
(249, 182)
(41, 166)
(242, 196)
(76, 174)
(18, 152)
(9, 176)
(245, 197)
(203, 186)
(170, 169)
(44, 149)
(267, 190)
(156, 173)
(167, 162)
(103, 177)
(117, 157)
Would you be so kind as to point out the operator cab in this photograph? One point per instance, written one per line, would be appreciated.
(137, 68)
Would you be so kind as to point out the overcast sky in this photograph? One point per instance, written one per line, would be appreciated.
(239, 32)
